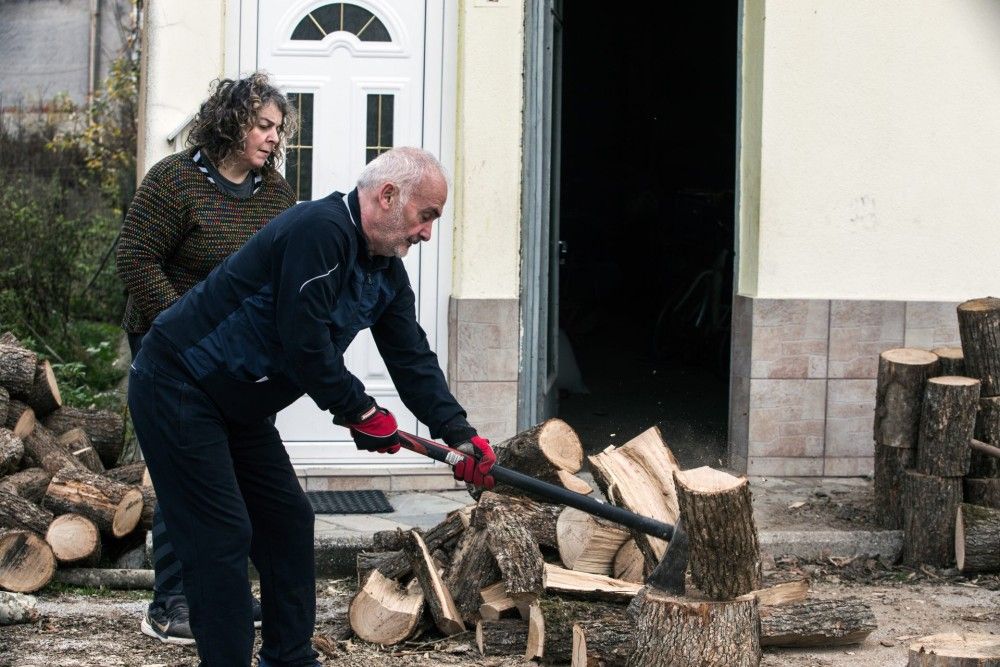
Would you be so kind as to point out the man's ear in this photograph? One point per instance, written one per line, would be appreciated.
(387, 195)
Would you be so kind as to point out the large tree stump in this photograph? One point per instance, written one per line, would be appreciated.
(947, 425)
(550, 451)
(639, 477)
(587, 586)
(503, 637)
(539, 518)
(44, 395)
(20, 419)
(988, 431)
(26, 561)
(114, 507)
(74, 538)
(891, 464)
(11, 451)
(629, 563)
(473, 568)
(685, 632)
(716, 512)
(442, 607)
(17, 369)
(977, 538)
(30, 484)
(951, 361)
(985, 492)
(816, 623)
(587, 543)
(899, 394)
(105, 429)
(382, 612)
(16, 512)
(952, 649)
(42, 448)
(76, 442)
(979, 328)
(929, 506)
(605, 641)
(550, 626)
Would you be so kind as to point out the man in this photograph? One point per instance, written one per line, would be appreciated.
(268, 324)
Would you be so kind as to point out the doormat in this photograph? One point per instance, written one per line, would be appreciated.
(349, 502)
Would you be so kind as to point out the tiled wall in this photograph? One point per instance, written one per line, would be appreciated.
(802, 391)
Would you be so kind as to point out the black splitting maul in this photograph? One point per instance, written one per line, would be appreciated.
(668, 575)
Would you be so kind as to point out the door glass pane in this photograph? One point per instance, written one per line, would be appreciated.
(378, 127)
(299, 153)
(341, 17)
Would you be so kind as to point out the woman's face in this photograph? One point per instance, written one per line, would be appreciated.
(262, 137)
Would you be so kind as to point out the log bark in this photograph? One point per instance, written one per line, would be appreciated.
(382, 612)
(9, 338)
(899, 394)
(26, 561)
(951, 361)
(501, 638)
(977, 538)
(550, 626)
(389, 540)
(30, 484)
(979, 329)
(17, 369)
(76, 442)
(442, 607)
(43, 450)
(929, 507)
(496, 604)
(16, 512)
(11, 451)
(516, 552)
(550, 451)
(952, 649)
(395, 565)
(74, 538)
(587, 586)
(816, 623)
(367, 561)
(148, 507)
(4, 405)
(17, 608)
(114, 507)
(724, 550)
(44, 396)
(114, 579)
(682, 632)
(629, 564)
(605, 642)
(20, 419)
(135, 473)
(947, 424)
(639, 477)
(891, 464)
(985, 492)
(539, 518)
(587, 543)
(988, 431)
(473, 568)
(105, 429)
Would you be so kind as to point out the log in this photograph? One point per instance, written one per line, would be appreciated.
(30, 484)
(516, 552)
(605, 642)
(135, 473)
(473, 568)
(985, 492)
(587, 586)
(639, 477)
(105, 429)
(114, 507)
(891, 464)
(386, 540)
(76, 442)
(947, 424)
(382, 612)
(496, 603)
(366, 561)
(44, 395)
(442, 607)
(816, 623)
(11, 451)
(550, 626)
(682, 632)
(629, 564)
(17, 369)
(17, 608)
(16, 512)
(501, 638)
(899, 394)
(929, 507)
(988, 432)
(148, 507)
(110, 578)
(43, 450)
(26, 561)
(951, 361)
(4, 405)
(953, 649)
(74, 538)
(20, 419)
(539, 518)
(542, 450)
(977, 538)
(587, 543)
(979, 329)
(724, 550)
(395, 565)
(779, 594)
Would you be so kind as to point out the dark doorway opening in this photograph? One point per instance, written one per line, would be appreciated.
(646, 223)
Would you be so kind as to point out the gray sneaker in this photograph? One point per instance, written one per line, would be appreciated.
(166, 619)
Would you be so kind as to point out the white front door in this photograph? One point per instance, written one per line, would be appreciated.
(356, 71)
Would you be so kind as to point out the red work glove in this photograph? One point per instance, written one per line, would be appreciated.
(476, 472)
(375, 431)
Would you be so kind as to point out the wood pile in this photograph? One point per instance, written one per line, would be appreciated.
(63, 501)
(539, 581)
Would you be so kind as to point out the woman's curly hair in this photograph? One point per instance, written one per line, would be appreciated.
(221, 126)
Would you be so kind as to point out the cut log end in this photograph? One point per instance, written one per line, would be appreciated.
(561, 445)
(909, 356)
(128, 514)
(954, 381)
(573, 483)
(27, 563)
(982, 305)
(383, 613)
(709, 480)
(73, 538)
(953, 649)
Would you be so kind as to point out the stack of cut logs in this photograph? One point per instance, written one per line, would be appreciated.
(937, 431)
(62, 501)
(557, 585)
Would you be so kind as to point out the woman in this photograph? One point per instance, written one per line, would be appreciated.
(192, 210)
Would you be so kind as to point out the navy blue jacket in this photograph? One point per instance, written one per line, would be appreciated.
(272, 322)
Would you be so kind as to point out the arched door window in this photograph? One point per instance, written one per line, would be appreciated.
(341, 17)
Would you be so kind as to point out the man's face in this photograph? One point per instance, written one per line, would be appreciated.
(407, 224)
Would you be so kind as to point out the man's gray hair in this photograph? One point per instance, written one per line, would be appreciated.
(404, 167)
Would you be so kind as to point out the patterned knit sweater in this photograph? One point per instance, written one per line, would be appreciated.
(179, 227)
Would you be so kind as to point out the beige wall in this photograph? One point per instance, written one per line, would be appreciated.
(877, 149)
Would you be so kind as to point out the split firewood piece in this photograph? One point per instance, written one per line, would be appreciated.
(951, 361)
(446, 616)
(74, 538)
(11, 451)
(550, 626)
(105, 429)
(44, 395)
(42, 448)
(587, 543)
(395, 565)
(891, 464)
(899, 394)
(114, 507)
(516, 552)
(472, 569)
(716, 511)
(131, 473)
(539, 518)
(17, 608)
(947, 424)
(977, 538)
(29, 483)
(26, 561)
(682, 632)
(605, 641)
(629, 564)
(587, 586)
(496, 603)
(985, 492)
(500, 638)
(4, 405)
(983, 465)
(382, 612)
(20, 419)
(786, 593)
(639, 477)
(929, 507)
(979, 329)
(17, 512)
(954, 649)
(76, 442)
(816, 623)
(17, 369)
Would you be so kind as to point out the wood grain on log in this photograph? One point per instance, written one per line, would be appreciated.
(500, 638)
(816, 623)
(76, 442)
(979, 329)
(496, 604)
(550, 451)
(29, 483)
(790, 591)
(947, 424)
(114, 507)
(516, 552)
(953, 649)
(891, 464)
(130, 473)
(105, 429)
(472, 569)
(587, 543)
(74, 538)
(550, 626)
(985, 492)
(987, 431)
(17, 512)
(26, 561)
(17, 369)
(629, 563)
(604, 642)
(446, 617)
(977, 538)
(951, 361)
(44, 396)
(11, 451)
(20, 419)
(42, 448)
(929, 507)
(587, 586)
(899, 395)
(382, 612)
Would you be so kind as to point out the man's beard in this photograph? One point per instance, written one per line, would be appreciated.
(395, 232)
